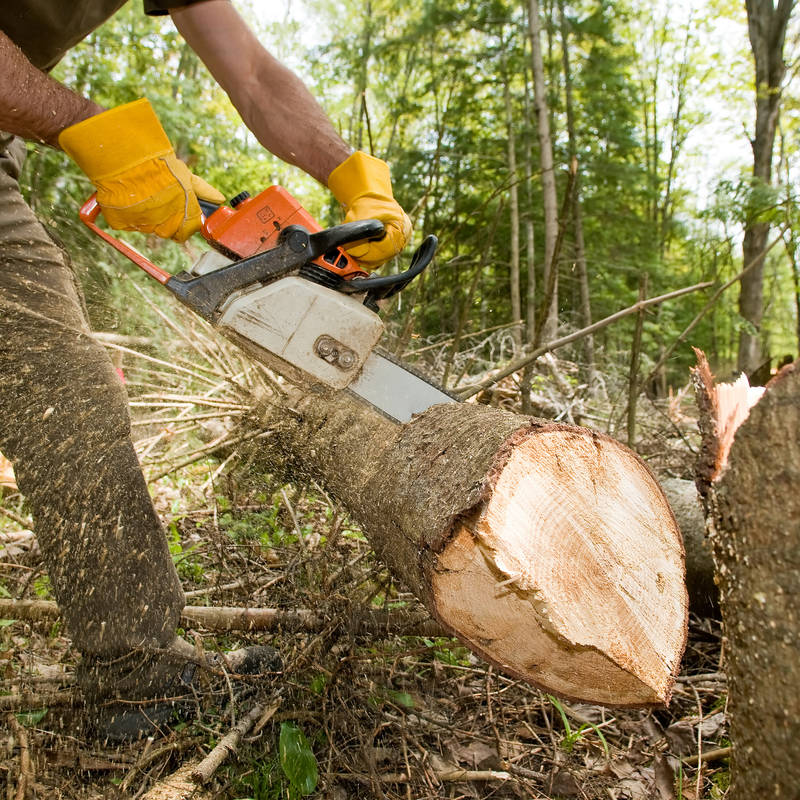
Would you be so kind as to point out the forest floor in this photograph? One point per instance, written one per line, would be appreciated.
(372, 702)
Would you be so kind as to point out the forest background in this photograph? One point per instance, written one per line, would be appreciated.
(655, 100)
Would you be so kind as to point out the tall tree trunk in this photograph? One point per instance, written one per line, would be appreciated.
(753, 515)
(767, 27)
(546, 159)
(590, 373)
(549, 550)
(516, 300)
(530, 241)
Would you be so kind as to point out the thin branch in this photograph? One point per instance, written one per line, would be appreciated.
(229, 744)
(469, 391)
(204, 452)
(709, 305)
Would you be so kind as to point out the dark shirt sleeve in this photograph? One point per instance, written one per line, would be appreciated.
(158, 8)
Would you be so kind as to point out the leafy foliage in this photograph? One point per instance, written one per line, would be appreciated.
(297, 760)
(423, 85)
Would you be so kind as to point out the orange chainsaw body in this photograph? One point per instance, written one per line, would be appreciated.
(254, 225)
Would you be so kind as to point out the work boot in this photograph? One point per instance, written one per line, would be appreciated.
(144, 694)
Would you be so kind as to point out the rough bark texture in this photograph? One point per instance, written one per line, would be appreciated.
(597, 600)
(754, 510)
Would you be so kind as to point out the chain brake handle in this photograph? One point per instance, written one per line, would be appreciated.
(89, 213)
(382, 287)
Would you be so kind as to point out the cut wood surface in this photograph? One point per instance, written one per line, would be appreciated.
(550, 550)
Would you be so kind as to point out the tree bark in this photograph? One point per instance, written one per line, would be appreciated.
(513, 196)
(548, 173)
(753, 514)
(767, 28)
(589, 370)
(549, 550)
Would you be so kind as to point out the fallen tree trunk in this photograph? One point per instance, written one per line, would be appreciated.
(688, 510)
(549, 550)
(748, 477)
(221, 618)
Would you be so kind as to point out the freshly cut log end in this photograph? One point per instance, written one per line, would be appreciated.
(548, 549)
(570, 573)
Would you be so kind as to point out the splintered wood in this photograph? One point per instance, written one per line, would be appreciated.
(723, 408)
(570, 575)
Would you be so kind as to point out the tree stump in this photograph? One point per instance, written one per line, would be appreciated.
(752, 499)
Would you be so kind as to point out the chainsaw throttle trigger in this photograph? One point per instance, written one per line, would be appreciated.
(382, 287)
(207, 207)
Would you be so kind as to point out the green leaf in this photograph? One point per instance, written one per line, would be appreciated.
(297, 760)
(4, 623)
(401, 698)
(31, 718)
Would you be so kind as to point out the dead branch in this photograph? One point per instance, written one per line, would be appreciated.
(26, 774)
(469, 391)
(25, 701)
(224, 618)
(229, 744)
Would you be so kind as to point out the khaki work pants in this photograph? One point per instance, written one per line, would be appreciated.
(64, 424)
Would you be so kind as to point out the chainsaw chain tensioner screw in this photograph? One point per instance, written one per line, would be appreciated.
(335, 353)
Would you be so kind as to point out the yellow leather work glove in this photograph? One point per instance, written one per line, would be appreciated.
(141, 185)
(363, 186)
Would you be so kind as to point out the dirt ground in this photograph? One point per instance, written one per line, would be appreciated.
(373, 701)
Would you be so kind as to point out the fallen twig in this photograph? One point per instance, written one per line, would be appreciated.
(264, 583)
(719, 677)
(25, 701)
(208, 451)
(26, 523)
(229, 744)
(26, 776)
(150, 755)
(711, 755)
(249, 619)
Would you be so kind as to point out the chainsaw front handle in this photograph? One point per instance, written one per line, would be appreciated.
(88, 216)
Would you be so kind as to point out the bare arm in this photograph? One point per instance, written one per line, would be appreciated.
(274, 103)
(33, 105)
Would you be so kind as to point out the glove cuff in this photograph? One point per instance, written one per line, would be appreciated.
(358, 175)
(115, 141)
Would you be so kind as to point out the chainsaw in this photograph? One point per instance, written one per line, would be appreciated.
(285, 291)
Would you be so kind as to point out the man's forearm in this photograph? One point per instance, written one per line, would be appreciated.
(32, 104)
(274, 103)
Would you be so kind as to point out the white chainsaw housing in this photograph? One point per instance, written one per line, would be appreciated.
(324, 335)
